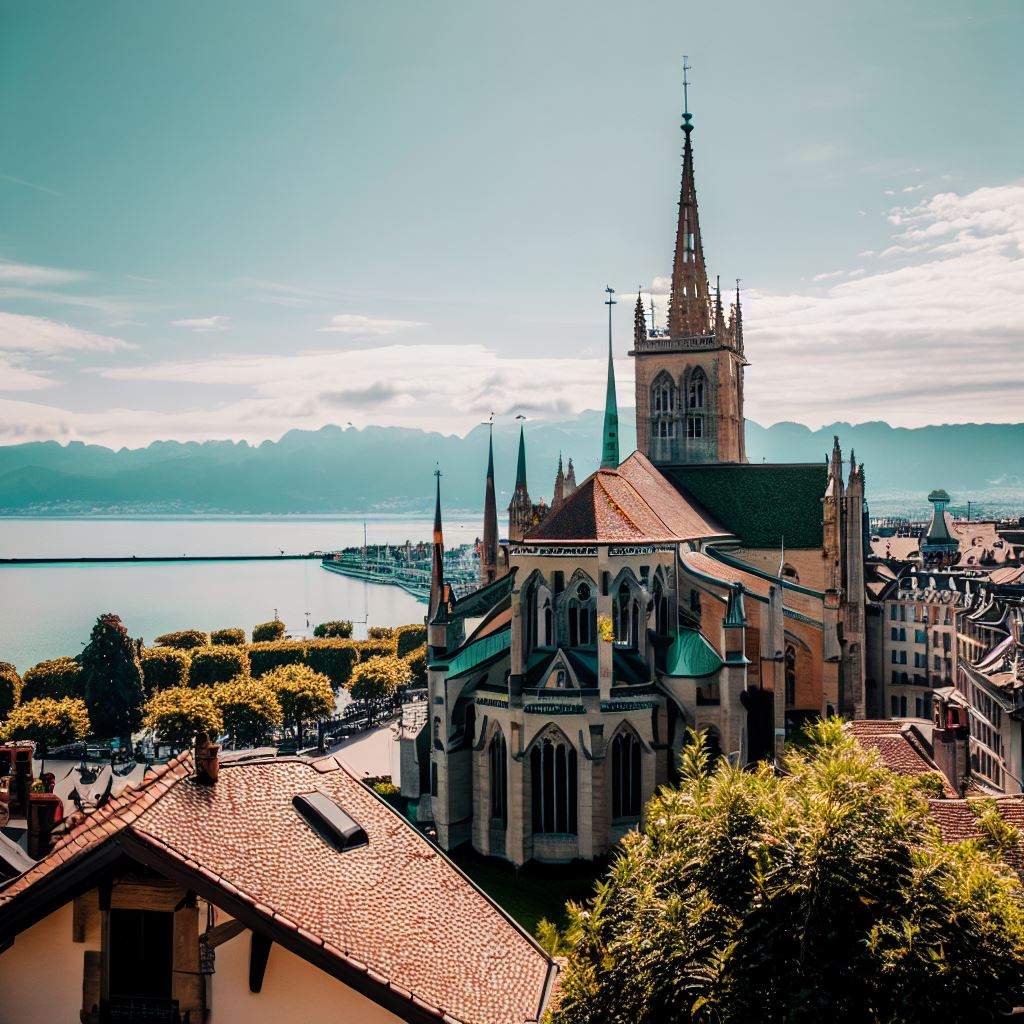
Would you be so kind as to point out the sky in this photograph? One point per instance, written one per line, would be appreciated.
(229, 220)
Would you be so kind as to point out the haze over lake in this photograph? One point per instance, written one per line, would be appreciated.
(48, 610)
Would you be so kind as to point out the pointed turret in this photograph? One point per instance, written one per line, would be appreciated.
(719, 313)
(570, 480)
(559, 495)
(610, 440)
(640, 321)
(737, 323)
(690, 302)
(520, 509)
(437, 559)
(489, 549)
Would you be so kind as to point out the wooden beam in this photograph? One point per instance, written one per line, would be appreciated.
(259, 954)
(223, 932)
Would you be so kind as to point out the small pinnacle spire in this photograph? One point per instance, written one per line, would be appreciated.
(489, 554)
(719, 313)
(521, 462)
(737, 326)
(437, 557)
(610, 446)
(639, 320)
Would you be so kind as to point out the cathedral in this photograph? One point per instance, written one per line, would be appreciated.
(680, 588)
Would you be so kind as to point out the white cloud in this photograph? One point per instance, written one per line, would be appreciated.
(16, 378)
(40, 335)
(829, 276)
(27, 273)
(354, 323)
(204, 324)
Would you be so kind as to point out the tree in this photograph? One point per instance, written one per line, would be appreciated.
(49, 722)
(59, 677)
(250, 710)
(163, 667)
(232, 636)
(273, 630)
(217, 664)
(180, 714)
(416, 666)
(304, 695)
(334, 658)
(183, 639)
(820, 893)
(10, 688)
(377, 679)
(112, 675)
(339, 629)
(409, 638)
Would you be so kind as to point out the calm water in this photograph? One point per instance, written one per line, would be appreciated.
(46, 611)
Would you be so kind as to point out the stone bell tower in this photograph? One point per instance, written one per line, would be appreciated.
(689, 374)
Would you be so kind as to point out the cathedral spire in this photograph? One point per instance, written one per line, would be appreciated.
(719, 313)
(610, 446)
(640, 321)
(559, 495)
(690, 302)
(489, 552)
(737, 323)
(521, 462)
(437, 560)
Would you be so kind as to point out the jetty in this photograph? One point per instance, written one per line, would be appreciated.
(103, 559)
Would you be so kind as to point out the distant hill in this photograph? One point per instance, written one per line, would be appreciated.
(389, 468)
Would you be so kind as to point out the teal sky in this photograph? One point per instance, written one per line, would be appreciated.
(225, 219)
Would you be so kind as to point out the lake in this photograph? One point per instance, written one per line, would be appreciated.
(48, 610)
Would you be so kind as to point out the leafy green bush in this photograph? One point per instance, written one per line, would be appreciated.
(416, 666)
(332, 658)
(231, 637)
(268, 631)
(264, 657)
(381, 633)
(163, 667)
(211, 665)
(305, 695)
(250, 709)
(408, 638)
(821, 892)
(181, 713)
(339, 629)
(389, 791)
(374, 648)
(10, 688)
(377, 678)
(57, 678)
(183, 639)
(50, 723)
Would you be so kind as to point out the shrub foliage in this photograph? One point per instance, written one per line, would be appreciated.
(339, 629)
(51, 723)
(821, 893)
(234, 636)
(332, 658)
(273, 630)
(112, 674)
(59, 677)
(408, 638)
(183, 639)
(265, 657)
(304, 695)
(178, 715)
(250, 709)
(163, 667)
(10, 688)
(217, 664)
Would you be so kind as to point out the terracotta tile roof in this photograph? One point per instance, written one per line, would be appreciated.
(958, 820)
(900, 746)
(631, 504)
(395, 910)
(704, 565)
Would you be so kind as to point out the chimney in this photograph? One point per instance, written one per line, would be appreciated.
(950, 740)
(45, 812)
(207, 760)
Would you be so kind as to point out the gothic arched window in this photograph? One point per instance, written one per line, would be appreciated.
(553, 786)
(549, 621)
(698, 387)
(660, 608)
(497, 756)
(663, 405)
(626, 776)
(790, 667)
(622, 623)
(581, 614)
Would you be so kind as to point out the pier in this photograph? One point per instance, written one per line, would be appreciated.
(102, 559)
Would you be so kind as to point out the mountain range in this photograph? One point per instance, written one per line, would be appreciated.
(390, 468)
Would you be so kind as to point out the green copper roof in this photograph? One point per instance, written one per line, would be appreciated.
(477, 653)
(610, 446)
(691, 656)
(763, 505)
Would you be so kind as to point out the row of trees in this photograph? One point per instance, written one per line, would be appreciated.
(206, 680)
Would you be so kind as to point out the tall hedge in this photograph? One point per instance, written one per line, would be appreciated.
(265, 657)
(213, 664)
(233, 636)
(416, 663)
(339, 629)
(57, 678)
(10, 688)
(381, 633)
(333, 658)
(375, 648)
(183, 639)
(164, 667)
(408, 638)
(266, 631)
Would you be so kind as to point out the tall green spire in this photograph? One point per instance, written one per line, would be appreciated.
(521, 464)
(610, 446)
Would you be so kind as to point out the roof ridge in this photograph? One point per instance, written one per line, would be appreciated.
(620, 510)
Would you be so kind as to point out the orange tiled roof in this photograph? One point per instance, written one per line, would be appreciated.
(957, 820)
(631, 504)
(900, 747)
(395, 910)
(705, 565)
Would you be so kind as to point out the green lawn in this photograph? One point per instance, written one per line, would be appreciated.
(534, 891)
